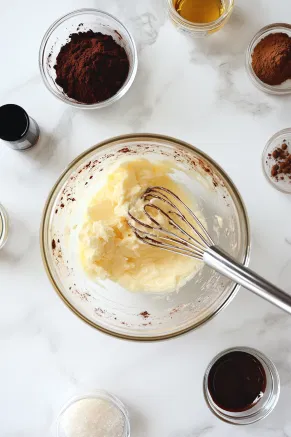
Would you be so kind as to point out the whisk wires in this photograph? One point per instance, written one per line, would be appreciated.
(164, 225)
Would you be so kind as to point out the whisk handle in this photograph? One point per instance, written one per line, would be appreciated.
(226, 265)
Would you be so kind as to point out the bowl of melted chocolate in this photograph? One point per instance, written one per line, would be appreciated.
(241, 385)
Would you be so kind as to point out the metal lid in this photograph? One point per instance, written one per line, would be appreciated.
(14, 122)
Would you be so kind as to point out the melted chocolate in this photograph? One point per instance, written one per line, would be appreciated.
(237, 381)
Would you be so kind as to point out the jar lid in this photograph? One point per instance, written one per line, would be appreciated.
(14, 122)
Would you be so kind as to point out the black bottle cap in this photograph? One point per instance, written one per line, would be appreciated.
(14, 122)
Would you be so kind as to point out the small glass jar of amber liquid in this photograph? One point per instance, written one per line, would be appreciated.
(199, 18)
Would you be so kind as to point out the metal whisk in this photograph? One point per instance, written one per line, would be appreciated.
(164, 225)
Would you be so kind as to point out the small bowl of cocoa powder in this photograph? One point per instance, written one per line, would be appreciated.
(88, 59)
(276, 161)
(268, 59)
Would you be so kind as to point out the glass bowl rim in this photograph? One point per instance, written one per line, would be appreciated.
(96, 394)
(200, 26)
(105, 144)
(5, 226)
(273, 138)
(270, 89)
(126, 86)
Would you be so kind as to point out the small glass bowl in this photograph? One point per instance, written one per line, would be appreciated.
(199, 30)
(283, 88)
(83, 20)
(3, 226)
(283, 185)
(97, 394)
(263, 407)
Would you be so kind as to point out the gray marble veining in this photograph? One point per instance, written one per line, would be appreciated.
(197, 91)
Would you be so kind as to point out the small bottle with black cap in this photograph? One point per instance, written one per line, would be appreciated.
(16, 127)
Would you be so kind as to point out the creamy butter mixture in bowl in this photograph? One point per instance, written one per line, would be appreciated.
(109, 278)
(108, 247)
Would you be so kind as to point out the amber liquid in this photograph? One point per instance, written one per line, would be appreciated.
(199, 11)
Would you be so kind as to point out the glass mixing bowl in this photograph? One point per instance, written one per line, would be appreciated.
(83, 20)
(105, 305)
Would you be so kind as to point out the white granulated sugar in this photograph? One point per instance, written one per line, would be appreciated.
(92, 418)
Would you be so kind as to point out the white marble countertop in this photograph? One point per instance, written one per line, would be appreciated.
(197, 91)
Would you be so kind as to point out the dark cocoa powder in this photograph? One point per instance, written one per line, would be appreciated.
(91, 67)
(271, 59)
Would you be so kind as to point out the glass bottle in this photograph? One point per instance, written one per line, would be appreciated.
(17, 129)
